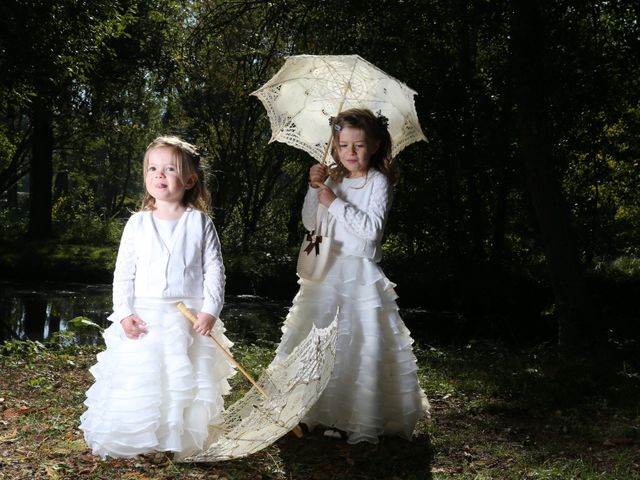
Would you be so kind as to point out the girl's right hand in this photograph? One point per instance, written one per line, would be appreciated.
(317, 175)
(204, 324)
(133, 327)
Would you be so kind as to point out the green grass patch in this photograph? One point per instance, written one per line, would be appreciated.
(497, 413)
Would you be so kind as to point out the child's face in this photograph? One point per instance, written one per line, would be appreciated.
(161, 178)
(354, 151)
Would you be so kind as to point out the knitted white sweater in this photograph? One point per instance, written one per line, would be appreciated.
(357, 217)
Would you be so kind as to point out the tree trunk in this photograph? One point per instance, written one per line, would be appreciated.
(35, 316)
(577, 315)
(41, 173)
(12, 196)
(503, 153)
(468, 41)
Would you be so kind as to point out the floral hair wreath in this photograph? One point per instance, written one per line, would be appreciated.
(382, 121)
(336, 127)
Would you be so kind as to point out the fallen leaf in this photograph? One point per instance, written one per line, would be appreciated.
(446, 469)
(484, 462)
(137, 476)
(65, 447)
(17, 412)
(622, 441)
(9, 436)
(51, 471)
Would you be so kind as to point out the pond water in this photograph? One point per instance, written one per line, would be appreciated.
(36, 312)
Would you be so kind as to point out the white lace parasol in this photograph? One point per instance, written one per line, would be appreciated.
(291, 387)
(309, 89)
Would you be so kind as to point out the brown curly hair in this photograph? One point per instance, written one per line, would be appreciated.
(375, 129)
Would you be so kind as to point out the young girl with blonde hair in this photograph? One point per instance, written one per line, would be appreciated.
(160, 381)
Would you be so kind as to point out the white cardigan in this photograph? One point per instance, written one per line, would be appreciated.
(189, 267)
(360, 214)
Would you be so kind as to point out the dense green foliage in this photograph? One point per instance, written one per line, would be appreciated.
(86, 86)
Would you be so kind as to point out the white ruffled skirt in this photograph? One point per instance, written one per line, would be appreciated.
(374, 388)
(159, 392)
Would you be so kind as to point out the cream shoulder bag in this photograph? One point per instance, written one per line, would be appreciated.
(315, 249)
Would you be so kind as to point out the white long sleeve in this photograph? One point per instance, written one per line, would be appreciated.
(360, 213)
(367, 220)
(310, 208)
(124, 275)
(213, 270)
(190, 267)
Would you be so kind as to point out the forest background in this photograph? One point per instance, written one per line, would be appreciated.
(519, 218)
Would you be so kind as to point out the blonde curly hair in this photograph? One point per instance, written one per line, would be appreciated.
(189, 165)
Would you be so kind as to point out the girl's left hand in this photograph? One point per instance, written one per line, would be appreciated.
(326, 195)
(205, 323)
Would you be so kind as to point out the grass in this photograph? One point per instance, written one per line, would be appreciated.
(530, 414)
(496, 414)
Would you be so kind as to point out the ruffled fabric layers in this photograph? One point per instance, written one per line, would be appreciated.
(159, 392)
(374, 388)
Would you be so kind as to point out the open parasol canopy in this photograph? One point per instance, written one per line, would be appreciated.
(290, 388)
(309, 89)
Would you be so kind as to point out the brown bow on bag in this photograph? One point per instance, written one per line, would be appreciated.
(310, 238)
(313, 267)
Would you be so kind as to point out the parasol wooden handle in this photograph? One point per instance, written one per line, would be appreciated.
(189, 315)
(347, 87)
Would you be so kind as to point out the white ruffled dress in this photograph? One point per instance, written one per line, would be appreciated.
(159, 392)
(374, 388)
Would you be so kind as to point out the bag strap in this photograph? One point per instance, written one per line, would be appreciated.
(322, 220)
